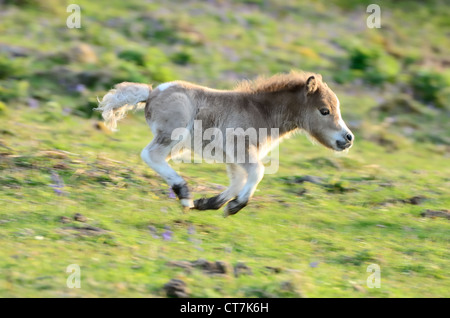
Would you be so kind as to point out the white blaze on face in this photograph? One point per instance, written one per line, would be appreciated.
(164, 86)
(344, 128)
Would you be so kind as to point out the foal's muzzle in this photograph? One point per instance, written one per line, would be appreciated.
(346, 142)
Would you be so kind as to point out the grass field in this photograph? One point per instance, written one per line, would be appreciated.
(296, 238)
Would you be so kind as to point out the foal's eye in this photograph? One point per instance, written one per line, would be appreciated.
(324, 111)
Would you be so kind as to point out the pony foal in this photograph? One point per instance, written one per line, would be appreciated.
(286, 102)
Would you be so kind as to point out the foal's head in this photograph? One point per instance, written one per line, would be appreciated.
(322, 116)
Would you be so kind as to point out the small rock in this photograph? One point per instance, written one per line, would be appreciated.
(242, 269)
(416, 200)
(217, 267)
(274, 270)
(176, 288)
(79, 217)
(312, 179)
(221, 267)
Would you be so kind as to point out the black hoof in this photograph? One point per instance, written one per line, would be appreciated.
(213, 203)
(182, 191)
(233, 207)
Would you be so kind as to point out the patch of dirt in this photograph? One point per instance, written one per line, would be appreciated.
(64, 219)
(61, 166)
(187, 266)
(436, 214)
(415, 200)
(273, 270)
(212, 268)
(311, 179)
(85, 230)
(52, 154)
(339, 187)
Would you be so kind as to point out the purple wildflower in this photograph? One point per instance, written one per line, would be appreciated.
(33, 103)
(57, 179)
(80, 88)
(172, 194)
(314, 264)
(58, 183)
(167, 235)
(191, 232)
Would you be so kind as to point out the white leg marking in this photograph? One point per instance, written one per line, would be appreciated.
(189, 203)
(155, 158)
(255, 175)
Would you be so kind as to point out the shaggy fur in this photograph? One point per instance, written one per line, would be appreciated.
(276, 83)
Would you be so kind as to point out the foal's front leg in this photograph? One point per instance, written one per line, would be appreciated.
(255, 173)
(238, 177)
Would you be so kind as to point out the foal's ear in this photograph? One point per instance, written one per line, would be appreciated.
(311, 85)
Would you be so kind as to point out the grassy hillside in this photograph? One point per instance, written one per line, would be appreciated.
(296, 238)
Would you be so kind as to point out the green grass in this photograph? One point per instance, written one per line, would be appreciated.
(320, 237)
(344, 231)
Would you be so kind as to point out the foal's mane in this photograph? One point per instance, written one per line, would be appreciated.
(276, 83)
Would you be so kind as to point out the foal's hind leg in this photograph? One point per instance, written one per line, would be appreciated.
(237, 176)
(155, 155)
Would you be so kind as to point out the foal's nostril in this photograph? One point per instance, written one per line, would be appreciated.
(349, 137)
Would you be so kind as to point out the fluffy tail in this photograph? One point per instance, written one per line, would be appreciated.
(121, 99)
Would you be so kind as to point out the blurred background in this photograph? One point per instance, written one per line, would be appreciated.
(385, 203)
